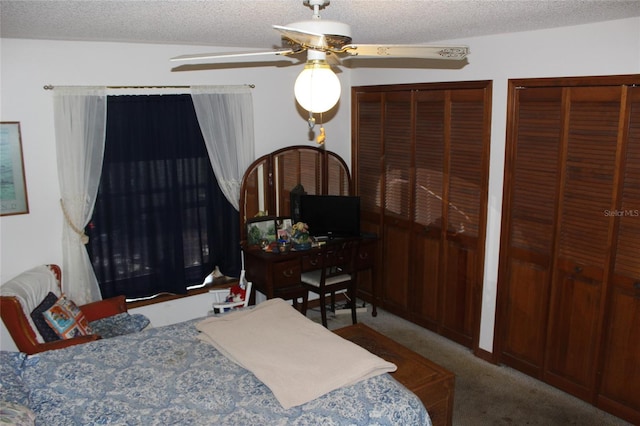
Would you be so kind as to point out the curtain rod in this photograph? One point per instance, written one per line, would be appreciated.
(51, 87)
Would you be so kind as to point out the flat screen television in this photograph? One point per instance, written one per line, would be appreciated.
(331, 216)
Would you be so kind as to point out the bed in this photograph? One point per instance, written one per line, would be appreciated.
(171, 375)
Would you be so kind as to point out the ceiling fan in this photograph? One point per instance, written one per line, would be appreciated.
(317, 88)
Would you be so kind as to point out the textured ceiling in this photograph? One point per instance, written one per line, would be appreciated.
(247, 23)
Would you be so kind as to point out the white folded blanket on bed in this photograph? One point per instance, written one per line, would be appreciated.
(298, 359)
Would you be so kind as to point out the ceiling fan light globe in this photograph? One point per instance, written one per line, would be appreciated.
(317, 88)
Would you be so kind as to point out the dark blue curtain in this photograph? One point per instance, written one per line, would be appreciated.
(160, 221)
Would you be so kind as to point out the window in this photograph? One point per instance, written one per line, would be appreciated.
(160, 222)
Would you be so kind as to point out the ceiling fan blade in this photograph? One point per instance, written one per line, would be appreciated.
(407, 51)
(303, 38)
(202, 56)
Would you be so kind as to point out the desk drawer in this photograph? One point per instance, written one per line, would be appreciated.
(286, 273)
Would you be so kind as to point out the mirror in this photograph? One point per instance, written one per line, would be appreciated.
(268, 182)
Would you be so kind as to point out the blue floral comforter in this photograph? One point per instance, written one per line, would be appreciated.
(166, 376)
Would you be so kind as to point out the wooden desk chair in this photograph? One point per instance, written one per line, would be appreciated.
(22, 294)
(336, 272)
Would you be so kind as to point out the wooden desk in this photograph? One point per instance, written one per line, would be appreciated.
(271, 272)
(434, 385)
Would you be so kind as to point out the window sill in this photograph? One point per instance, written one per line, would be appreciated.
(217, 283)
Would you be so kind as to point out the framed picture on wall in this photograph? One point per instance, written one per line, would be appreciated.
(13, 188)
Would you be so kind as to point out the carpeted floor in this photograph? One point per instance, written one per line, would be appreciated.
(485, 394)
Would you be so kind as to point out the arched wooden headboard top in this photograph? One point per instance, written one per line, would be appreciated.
(268, 182)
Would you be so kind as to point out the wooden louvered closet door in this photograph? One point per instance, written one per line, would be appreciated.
(428, 216)
(368, 158)
(367, 123)
(529, 225)
(583, 235)
(620, 386)
(464, 211)
(568, 306)
(397, 155)
(420, 165)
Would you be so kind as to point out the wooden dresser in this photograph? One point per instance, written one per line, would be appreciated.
(433, 384)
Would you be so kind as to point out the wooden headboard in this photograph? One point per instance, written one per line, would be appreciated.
(268, 182)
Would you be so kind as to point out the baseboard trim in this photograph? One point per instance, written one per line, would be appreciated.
(485, 355)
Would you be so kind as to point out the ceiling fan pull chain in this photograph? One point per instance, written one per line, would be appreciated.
(321, 136)
(311, 120)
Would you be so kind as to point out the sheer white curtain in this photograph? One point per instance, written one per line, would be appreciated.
(225, 115)
(80, 117)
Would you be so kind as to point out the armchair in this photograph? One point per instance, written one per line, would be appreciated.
(22, 294)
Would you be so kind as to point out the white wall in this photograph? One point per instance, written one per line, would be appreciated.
(177, 310)
(27, 65)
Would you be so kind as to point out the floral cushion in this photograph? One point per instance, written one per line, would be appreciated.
(66, 319)
(16, 414)
(119, 324)
(41, 324)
